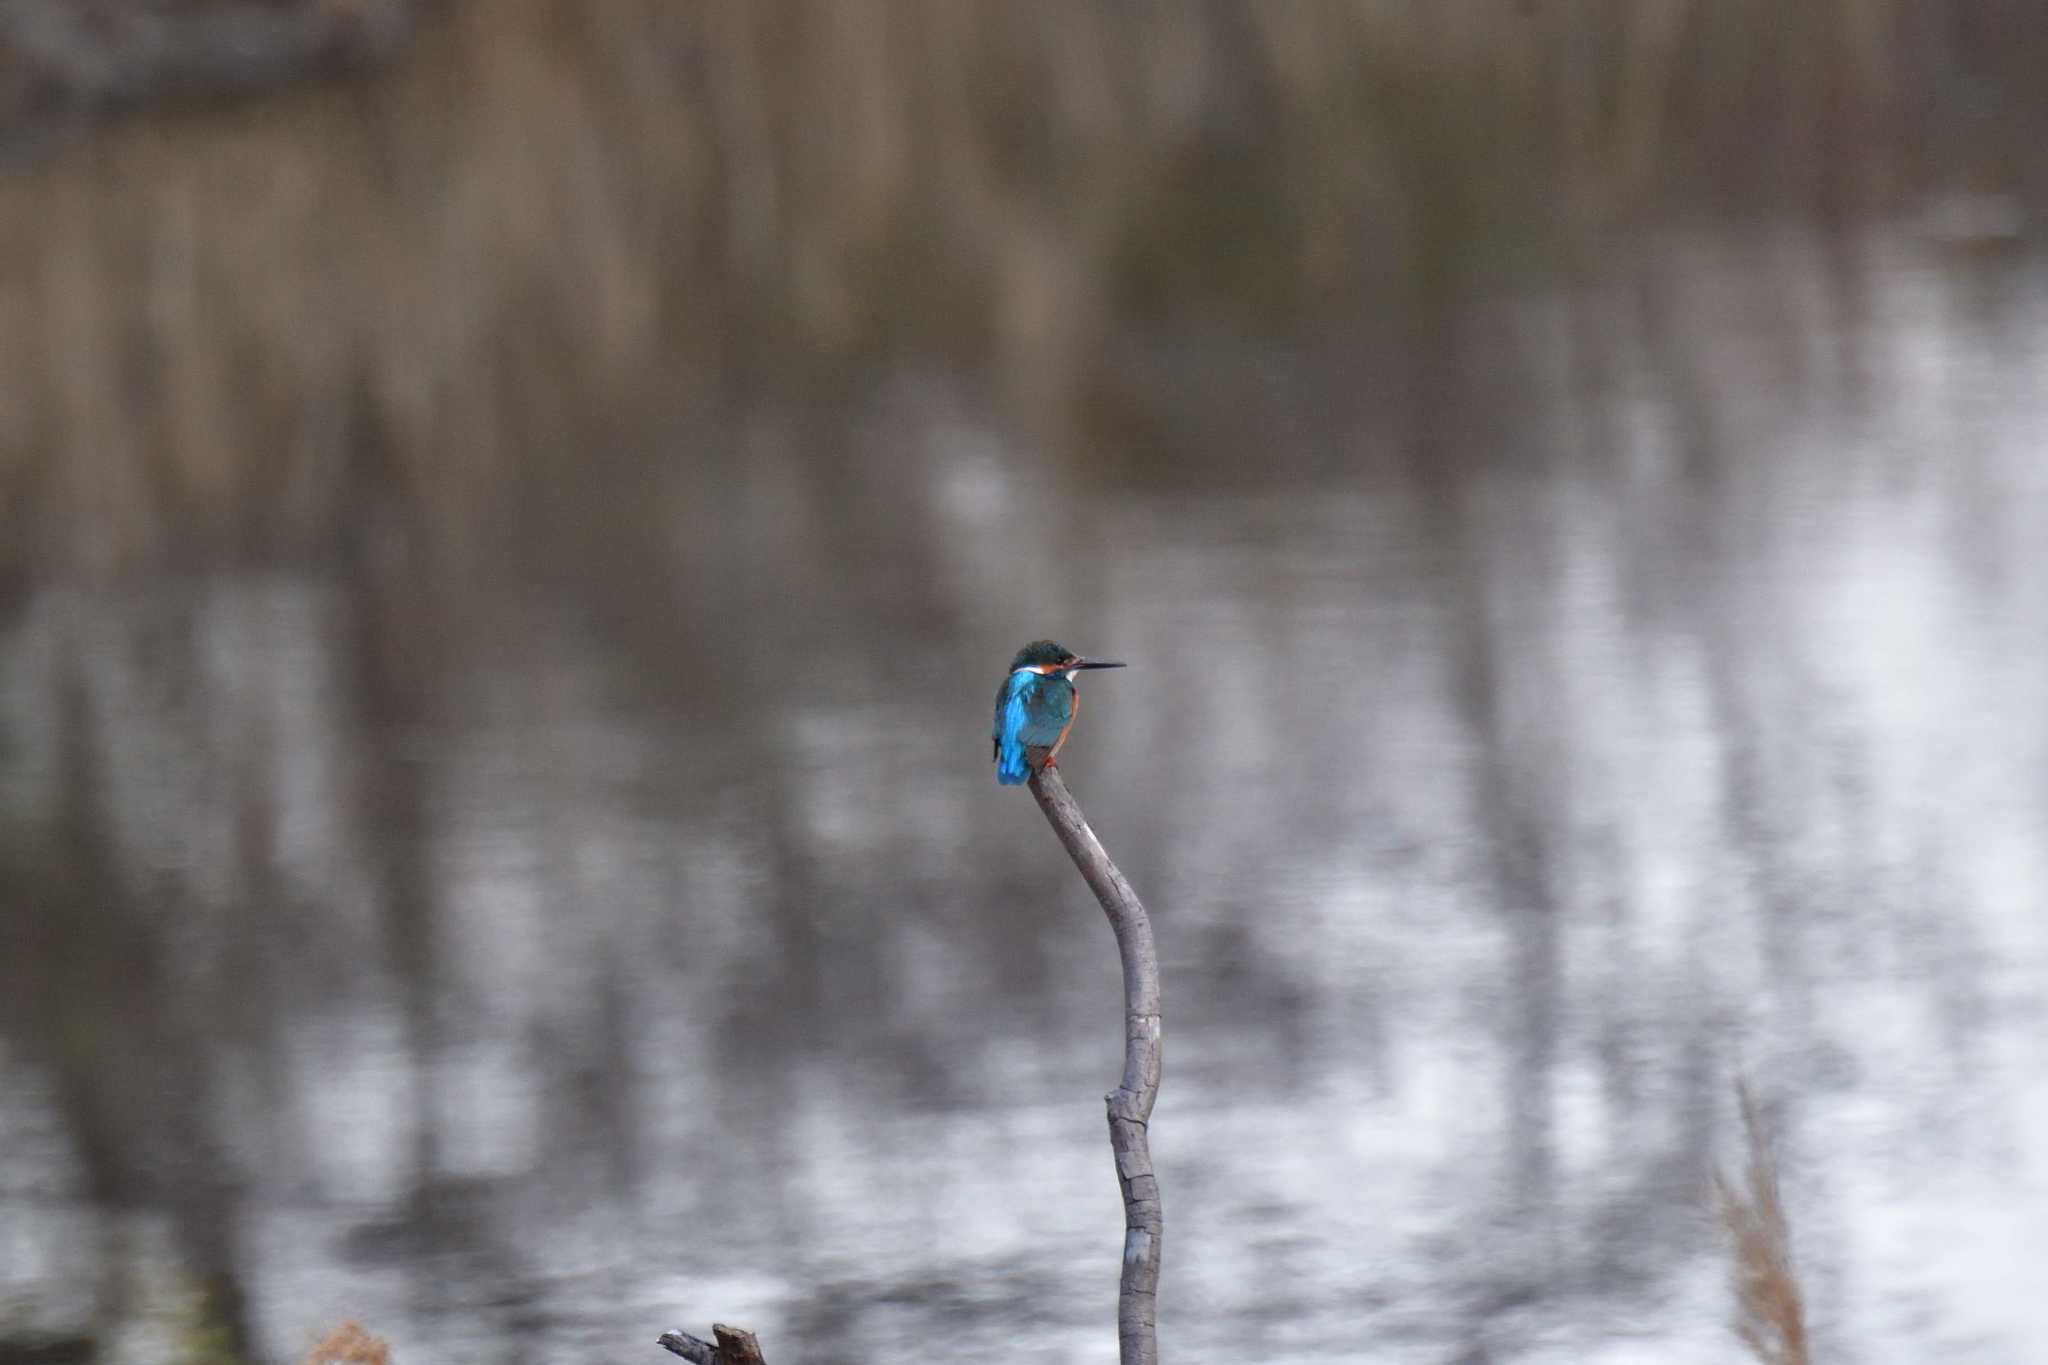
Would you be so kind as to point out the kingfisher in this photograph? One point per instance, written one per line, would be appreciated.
(1035, 708)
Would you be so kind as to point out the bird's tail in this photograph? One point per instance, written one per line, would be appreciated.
(1013, 766)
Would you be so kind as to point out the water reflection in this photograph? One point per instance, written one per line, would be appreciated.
(524, 958)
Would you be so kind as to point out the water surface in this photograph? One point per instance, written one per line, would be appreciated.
(1524, 735)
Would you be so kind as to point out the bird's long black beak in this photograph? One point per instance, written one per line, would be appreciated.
(1099, 663)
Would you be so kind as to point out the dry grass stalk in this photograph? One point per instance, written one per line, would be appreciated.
(349, 1344)
(1770, 1315)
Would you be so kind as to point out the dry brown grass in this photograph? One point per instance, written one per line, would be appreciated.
(1770, 1313)
(559, 221)
(349, 1344)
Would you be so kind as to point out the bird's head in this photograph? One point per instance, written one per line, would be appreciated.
(1049, 656)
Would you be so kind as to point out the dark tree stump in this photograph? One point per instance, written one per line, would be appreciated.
(733, 1347)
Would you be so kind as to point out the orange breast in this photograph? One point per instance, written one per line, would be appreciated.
(1073, 714)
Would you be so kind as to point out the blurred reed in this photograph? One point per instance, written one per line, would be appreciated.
(1770, 1312)
(557, 223)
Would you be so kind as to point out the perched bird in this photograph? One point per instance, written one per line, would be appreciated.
(1035, 708)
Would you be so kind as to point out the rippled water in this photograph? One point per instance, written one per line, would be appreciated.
(1519, 742)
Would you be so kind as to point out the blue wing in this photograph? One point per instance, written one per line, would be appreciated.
(1032, 712)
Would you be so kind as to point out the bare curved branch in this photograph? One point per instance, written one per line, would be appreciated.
(1130, 1104)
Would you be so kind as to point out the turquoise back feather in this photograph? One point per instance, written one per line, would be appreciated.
(1032, 710)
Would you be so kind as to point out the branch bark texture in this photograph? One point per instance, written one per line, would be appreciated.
(1130, 1104)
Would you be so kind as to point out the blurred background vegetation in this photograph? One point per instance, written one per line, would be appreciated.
(511, 511)
(546, 229)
